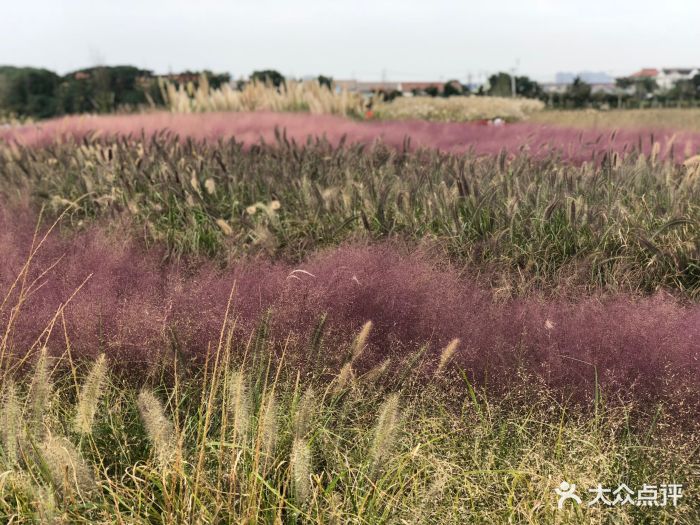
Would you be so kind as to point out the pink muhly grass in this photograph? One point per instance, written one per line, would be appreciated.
(133, 307)
(539, 140)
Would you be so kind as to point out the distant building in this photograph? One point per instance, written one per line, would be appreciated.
(665, 78)
(408, 88)
(647, 72)
(668, 77)
(553, 88)
(590, 77)
(606, 88)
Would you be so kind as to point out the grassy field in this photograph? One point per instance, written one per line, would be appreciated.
(458, 109)
(249, 441)
(687, 119)
(333, 332)
(314, 98)
(626, 225)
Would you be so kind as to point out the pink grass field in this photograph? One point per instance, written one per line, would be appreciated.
(133, 307)
(572, 144)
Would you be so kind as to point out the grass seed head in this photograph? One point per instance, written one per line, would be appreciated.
(90, 394)
(361, 340)
(385, 432)
(159, 428)
(237, 405)
(300, 464)
(268, 430)
(11, 423)
(446, 355)
(304, 414)
(40, 394)
(345, 377)
(67, 468)
(377, 372)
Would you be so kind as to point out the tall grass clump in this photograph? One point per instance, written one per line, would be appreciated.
(618, 223)
(11, 423)
(345, 459)
(307, 96)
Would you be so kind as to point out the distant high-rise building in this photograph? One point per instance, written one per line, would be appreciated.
(591, 77)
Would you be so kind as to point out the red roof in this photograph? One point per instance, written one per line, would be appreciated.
(648, 72)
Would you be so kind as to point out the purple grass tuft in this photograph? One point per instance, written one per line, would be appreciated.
(539, 140)
(133, 306)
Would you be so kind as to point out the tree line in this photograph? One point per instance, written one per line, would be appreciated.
(627, 92)
(41, 93)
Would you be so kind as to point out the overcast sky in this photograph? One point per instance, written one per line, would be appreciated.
(366, 39)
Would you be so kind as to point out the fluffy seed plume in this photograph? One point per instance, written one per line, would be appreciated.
(158, 427)
(11, 423)
(225, 228)
(344, 378)
(268, 430)
(43, 499)
(361, 340)
(377, 372)
(67, 468)
(90, 394)
(46, 505)
(304, 413)
(40, 394)
(237, 405)
(446, 355)
(385, 431)
(300, 463)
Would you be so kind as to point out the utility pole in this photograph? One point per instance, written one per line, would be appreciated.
(513, 71)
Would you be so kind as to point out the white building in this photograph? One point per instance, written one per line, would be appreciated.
(668, 77)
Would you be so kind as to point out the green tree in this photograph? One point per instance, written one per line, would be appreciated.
(452, 88)
(528, 88)
(28, 92)
(579, 93)
(687, 89)
(326, 81)
(624, 82)
(268, 76)
(499, 85)
(104, 89)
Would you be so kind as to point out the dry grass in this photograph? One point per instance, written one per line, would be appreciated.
(458, 109)
(309, 96)
(366, 455)
(662, 118)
